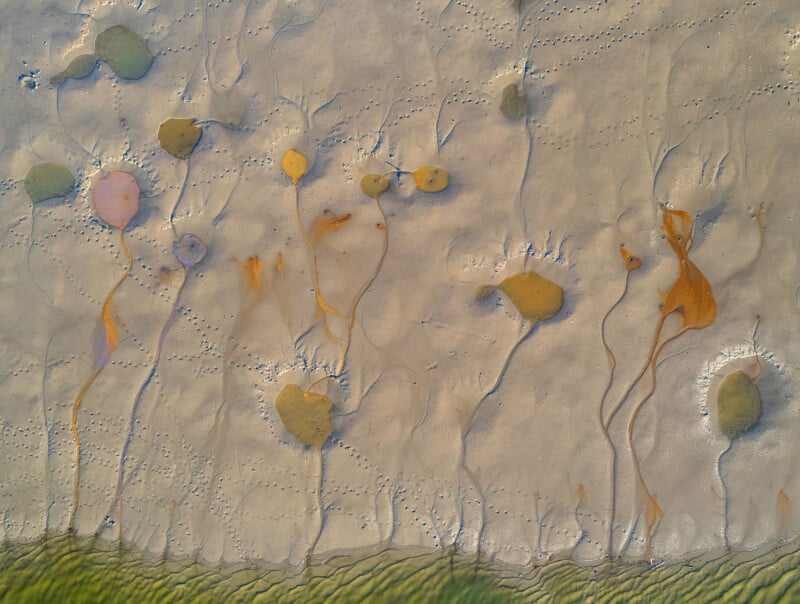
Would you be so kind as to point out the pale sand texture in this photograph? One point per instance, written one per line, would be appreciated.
(692, 104)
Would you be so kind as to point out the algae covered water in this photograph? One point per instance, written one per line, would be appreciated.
(66, 569)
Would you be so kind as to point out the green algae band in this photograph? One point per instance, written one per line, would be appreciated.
(179, 136)
(306, 415)
(67, 569)
(80, 67)
(124, 51)
(46, 181)
(738, 404)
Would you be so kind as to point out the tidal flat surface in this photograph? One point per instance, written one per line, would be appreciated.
(516, 281)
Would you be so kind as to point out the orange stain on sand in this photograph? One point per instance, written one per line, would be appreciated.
(280, 265)
(784, 513)
(327, 223)
(252, 271)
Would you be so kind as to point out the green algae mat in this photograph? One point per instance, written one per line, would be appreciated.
(67, 569)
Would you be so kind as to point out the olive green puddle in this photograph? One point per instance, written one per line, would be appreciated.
(122, 49)
(68, 569)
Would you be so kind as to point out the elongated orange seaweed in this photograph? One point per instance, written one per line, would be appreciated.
(295, 166)
(692, 298)
(632, 263)
(189, 250)
(116, 201)
(107, 343)
(373, 185)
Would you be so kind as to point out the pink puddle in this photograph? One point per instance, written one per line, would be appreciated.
(116, 198)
